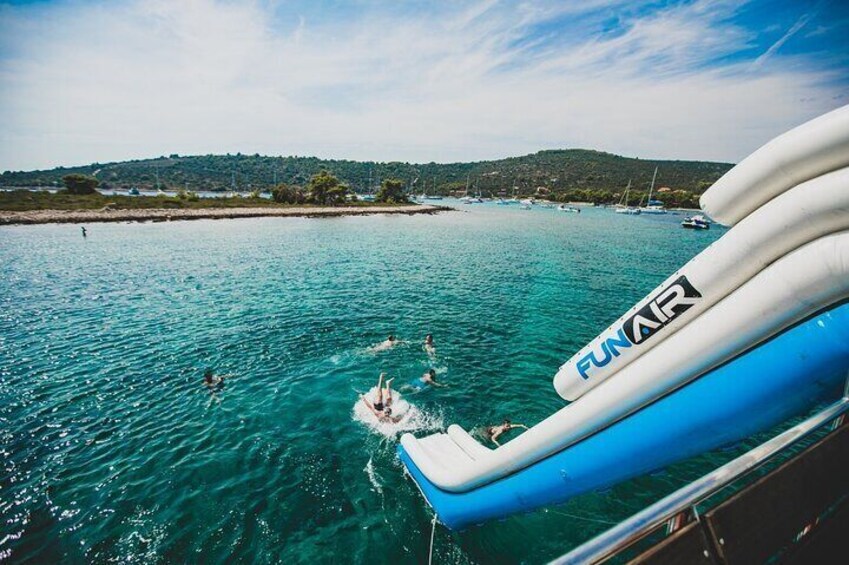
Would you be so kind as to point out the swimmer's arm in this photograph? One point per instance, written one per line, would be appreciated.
(370, 407)
(495, 437)
(520, 426)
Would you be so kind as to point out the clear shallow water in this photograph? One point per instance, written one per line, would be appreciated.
(112, 449)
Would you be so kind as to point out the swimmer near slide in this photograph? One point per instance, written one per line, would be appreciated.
(381, 404)
(383, 409)
(387, 412)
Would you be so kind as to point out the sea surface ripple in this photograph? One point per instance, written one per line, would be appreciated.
(113, 450)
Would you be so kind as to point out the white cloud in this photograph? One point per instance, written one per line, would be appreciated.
(103, 82)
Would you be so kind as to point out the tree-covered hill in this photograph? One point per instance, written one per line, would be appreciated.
(574, 173)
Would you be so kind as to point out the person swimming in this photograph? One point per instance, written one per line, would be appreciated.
(381, 407)
(427, 379)
(384, 345)
(429, 346)
(213, 383)
(494, 432)
(384, 415)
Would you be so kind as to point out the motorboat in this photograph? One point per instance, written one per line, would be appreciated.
(697, 222)
(572, 209)
(628, 211)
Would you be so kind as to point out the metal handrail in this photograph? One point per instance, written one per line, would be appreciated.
(637, 526)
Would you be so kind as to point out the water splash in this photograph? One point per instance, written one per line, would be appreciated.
(412, 419)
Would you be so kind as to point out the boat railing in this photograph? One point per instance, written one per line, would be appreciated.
(676, 508)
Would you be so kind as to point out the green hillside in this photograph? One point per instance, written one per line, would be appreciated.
(575, 174)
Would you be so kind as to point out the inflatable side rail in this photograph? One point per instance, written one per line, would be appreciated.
(813, 209)
(812, 149)
(808, 280)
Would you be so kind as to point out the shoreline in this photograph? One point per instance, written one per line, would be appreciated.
(31, 217)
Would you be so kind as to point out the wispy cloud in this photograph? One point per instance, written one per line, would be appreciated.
(83, 82)
(794, 29)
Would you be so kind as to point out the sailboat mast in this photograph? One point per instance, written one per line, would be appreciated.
(651, 188)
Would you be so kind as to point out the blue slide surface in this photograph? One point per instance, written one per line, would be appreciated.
(783, 377)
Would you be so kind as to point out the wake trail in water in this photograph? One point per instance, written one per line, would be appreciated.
(373, 476)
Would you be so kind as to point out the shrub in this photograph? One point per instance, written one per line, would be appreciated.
(325, 188)
(80, 184)
(391, 191)
(285, 194)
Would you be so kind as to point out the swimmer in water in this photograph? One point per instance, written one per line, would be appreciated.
(493, 432)
(429, 347)
(384, 415)
(381, 408)
(214, 383)
(381, 403)
(429, 378)
(384, 345)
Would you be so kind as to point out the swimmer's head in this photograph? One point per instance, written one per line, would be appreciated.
(432, 373)
(507, 421)
(429, 338)
(387, 411)
(391, 338)
(207, 375)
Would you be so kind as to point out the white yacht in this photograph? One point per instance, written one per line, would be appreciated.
(572, 209)
(622, 207)
(653, 206)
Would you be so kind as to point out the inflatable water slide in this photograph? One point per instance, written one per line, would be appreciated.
(752, 331)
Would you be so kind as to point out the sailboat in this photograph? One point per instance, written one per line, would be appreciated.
(369, 194)
(432, 197)
(653, 206)
(514, 200)
(622, 207)
(470, 199)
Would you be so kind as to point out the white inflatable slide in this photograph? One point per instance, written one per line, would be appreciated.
(785, 259)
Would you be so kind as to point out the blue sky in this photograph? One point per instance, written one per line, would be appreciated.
(84, 81)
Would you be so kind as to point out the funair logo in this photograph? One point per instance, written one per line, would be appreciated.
(670, 303)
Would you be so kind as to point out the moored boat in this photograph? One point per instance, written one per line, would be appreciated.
(572, 209)
(697, 222)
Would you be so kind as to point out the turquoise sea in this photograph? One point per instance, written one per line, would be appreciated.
(113, 450)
